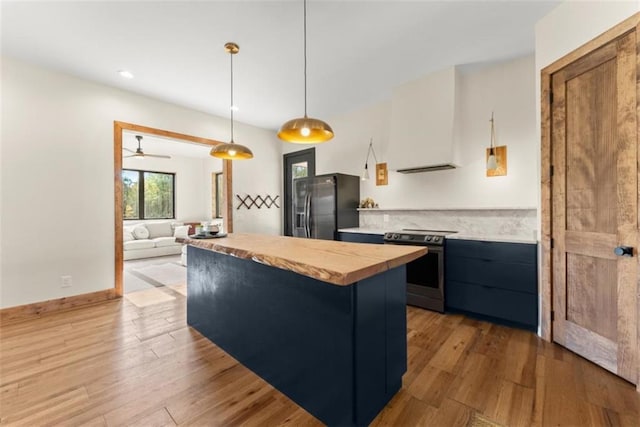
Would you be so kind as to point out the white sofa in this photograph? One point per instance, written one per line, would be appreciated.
(152, 239)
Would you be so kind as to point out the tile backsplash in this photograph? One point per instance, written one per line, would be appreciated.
(478, 222)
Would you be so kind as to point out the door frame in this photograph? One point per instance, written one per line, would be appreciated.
(118, 128)
(287, 202)
(546, 294)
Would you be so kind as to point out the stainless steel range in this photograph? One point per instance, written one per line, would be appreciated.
(425, 275)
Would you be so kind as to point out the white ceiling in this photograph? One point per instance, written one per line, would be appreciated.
(357, 50)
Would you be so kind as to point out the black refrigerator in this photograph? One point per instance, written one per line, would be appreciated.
(325, 203)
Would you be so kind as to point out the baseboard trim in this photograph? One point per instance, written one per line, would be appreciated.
(37, 309)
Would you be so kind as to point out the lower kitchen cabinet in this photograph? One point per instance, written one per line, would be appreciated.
(360, 237)
(494, 280)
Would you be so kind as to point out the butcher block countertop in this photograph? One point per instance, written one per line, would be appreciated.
(338, 263)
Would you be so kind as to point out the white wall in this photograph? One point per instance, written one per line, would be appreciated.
(57, 214)
(193, 184)
(506, 88)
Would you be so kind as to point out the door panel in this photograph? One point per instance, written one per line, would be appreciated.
(591, 150)
(595, 206)
(585, 300)
(299, 208)
(296, 165)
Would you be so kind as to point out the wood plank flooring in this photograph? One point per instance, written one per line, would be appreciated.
(119, 364)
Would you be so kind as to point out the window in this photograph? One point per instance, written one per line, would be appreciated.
(217, 186)
(148, 195)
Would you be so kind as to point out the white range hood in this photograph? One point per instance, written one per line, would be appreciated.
(423, 114)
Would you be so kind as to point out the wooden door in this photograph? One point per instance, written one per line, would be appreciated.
(594, 141)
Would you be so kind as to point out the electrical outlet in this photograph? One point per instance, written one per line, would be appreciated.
(65, 281)
(385, 217)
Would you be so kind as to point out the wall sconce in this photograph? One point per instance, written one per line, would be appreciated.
(496, 156)
(382, 177)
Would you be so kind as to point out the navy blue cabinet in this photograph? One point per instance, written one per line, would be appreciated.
(497, 281)
(360, 237)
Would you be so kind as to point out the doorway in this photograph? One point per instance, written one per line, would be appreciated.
(299, 164)
(590, 213)
(119, 128)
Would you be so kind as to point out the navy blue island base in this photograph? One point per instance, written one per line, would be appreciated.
(337, 351)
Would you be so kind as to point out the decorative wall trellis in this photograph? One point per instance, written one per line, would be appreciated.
(258, 201)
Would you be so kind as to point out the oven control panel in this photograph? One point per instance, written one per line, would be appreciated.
(413, 239)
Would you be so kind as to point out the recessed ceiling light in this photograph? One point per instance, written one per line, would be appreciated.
(126, 74)
(234, 108)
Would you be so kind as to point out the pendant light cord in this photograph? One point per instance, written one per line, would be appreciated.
(370, 151)
(305, 57)
(493, 134)
(231, 107)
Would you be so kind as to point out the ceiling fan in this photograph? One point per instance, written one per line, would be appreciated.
(141, 154)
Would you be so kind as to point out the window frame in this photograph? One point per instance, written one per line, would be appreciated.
(141, 213)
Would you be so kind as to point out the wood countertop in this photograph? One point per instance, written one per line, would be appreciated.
(338, 263)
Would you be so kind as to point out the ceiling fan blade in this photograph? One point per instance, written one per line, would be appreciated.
(126, 149)
(157, 156)
(133, 155)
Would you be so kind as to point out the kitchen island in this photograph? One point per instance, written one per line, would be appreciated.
(324, 322)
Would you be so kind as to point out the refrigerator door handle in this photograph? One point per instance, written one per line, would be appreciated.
(307, 218)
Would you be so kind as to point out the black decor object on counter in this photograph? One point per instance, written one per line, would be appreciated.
(494, 280)
(208, 235)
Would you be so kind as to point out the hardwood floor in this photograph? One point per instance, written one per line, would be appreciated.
(119, 364)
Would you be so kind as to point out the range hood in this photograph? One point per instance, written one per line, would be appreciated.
(423, 131)
(431, 168)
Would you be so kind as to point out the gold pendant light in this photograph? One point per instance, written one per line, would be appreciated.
(305, 130)
(231, 150)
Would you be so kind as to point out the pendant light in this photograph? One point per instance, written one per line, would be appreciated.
(365, 172)
(305, 130)
(231, 150)
(491, 161)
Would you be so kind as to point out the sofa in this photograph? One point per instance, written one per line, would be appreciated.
(152, 239)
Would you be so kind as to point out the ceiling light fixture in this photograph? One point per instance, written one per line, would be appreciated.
(139, 154)
(491, 161)
(126, 74)
(305, 130)
(231, 150)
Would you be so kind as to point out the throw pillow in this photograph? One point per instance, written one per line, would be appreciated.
(181, 231)
(127, 234)
(140, 232)
(159, 229)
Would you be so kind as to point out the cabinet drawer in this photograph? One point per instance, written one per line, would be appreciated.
(499, 303)
(360, 237)
(515, 277)
(523, 253)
